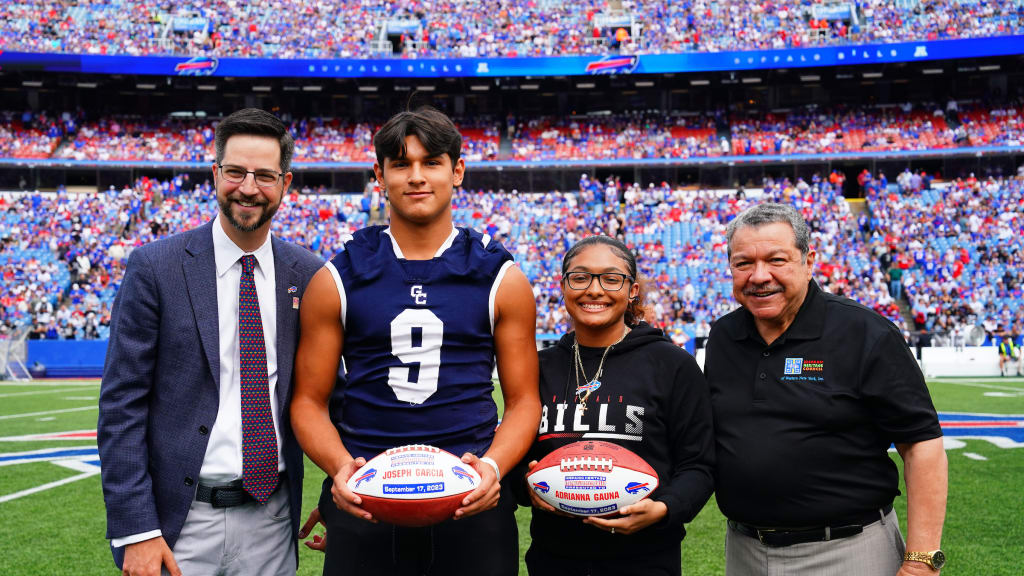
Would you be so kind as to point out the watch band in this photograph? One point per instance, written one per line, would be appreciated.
(924, 557)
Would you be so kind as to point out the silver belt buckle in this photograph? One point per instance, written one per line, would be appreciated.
(761, 533)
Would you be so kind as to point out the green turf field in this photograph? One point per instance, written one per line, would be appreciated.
(52, 519)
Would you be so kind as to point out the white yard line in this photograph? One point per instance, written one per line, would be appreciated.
(974, 456)
(49, 383)
(77, 465)
(30, 491)
(31, 414)
(1018, 390)
(34, 392)
(53, 436)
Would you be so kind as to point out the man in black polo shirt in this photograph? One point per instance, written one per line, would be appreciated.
(809, 390)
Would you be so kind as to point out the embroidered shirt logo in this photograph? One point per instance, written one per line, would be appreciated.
(794, 366)
(814, 366)
(418, 295)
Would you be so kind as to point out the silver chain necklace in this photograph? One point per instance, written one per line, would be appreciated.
(590, 385)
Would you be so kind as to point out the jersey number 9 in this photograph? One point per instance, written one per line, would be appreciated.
(426, 353)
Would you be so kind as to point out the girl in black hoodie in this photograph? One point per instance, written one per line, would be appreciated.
(636, 389)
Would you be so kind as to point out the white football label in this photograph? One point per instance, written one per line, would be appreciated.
(590, 487)
(414, 473)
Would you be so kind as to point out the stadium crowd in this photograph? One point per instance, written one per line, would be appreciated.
(508, 28)
(634, 135)
(957, 246)
(955, 251)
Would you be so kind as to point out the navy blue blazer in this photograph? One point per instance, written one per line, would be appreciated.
(160, 390)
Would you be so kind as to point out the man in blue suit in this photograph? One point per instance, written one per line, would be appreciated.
(201, 472)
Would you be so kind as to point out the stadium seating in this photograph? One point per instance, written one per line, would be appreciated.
(636, 135)
(509, 28)
(678, 235)
(960, 246)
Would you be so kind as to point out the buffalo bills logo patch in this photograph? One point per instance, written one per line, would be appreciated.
(637, 487)
(366, 476)
(461, 474)
(541, 487)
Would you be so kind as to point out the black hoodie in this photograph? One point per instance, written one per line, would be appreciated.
(654, 401)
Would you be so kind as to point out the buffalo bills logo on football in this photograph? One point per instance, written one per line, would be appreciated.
(366, 476)
(637, 487)
(541, 487)
(462, 474)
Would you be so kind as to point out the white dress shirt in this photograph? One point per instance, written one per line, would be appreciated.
(223, 460)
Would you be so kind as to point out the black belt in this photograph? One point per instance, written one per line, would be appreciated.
(227, 495)
(778, 537)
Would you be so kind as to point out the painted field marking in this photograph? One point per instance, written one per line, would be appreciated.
(1003, 394)
(30, 491)
(50, 455)
(1014, 389)
(36, 392)
(1003, 430)
(974, 456)
(51, 383)
(47, 413)
(80, 465)
(70, 435)
(79, 398)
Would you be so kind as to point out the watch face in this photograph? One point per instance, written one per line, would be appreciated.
(938, 559)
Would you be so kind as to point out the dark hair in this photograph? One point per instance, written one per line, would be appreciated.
(435, 131)
(635, 309)
(255, 122)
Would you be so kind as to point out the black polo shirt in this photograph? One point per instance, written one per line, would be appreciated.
(803, 426)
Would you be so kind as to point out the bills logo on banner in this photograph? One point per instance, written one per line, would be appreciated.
(614, 65)
(1005, 431)
(198, 66)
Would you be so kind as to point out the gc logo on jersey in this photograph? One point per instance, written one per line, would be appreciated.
(794, 366)
(418, 295)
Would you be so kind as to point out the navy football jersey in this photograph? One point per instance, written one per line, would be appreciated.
(419, 343)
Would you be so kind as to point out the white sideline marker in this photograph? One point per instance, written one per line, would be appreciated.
(31, 491)
(52, 383)
(35, 392)
(47, 413)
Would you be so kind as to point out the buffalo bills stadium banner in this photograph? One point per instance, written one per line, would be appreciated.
(511, 67)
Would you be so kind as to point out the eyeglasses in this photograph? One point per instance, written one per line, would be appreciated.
(610, 281)
(237, 175)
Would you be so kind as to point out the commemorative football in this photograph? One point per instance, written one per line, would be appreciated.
(415, 485)
(592, 478)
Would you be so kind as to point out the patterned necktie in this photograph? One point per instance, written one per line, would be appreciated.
(259, 441)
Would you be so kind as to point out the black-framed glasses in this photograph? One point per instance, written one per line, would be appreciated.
(237, 174)
(610, 281)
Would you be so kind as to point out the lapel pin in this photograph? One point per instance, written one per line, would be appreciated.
(293, 289)
(295, 302)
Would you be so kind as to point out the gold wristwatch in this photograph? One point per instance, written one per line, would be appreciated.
(935, 559)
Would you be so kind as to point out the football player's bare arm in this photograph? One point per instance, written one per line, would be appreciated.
(316, 371)
(515, 345)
